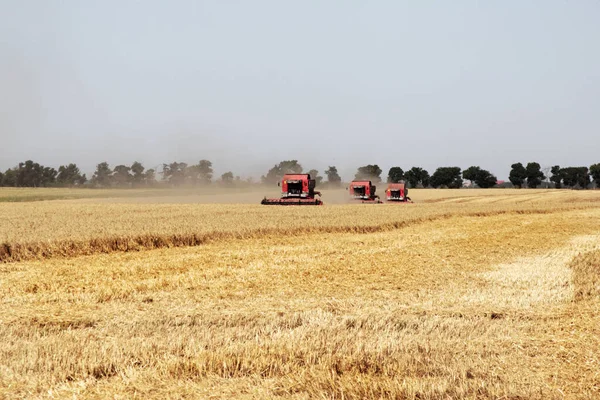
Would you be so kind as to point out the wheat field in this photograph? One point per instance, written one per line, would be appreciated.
(465, 294)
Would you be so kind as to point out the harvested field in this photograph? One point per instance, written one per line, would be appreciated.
(464, 294)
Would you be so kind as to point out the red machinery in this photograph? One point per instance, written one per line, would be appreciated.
(397, 192)
(364, 191)
(296, 190)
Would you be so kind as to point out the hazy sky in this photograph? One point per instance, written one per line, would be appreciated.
(249, 83)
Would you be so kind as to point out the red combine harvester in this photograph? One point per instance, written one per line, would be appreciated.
(397, 192)
(364, 191)
(296, 190)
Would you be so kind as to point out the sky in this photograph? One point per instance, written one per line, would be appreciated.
(247, 84)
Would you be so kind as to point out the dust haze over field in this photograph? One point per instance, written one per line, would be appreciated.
(247, 86)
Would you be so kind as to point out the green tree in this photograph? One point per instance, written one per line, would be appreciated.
(556, 177)
(575, 177)
(137, 170)
(425, 179)
(535, 176)
(275, 174)
(395, 175)
(517, 175)
(32, 174)
(314, 174)
(583, 178)
(150, 177)
(416, 176)
(449, 177)
(227, 178)
(121, 175)
(10, 178)
(595, 172)
(69, 175)
(481, 177)
(103, 175)
(370, 172)
(205, 171)
(333, 177)
(1, 179)
(174, 173)
(29, 174)
(48, 176)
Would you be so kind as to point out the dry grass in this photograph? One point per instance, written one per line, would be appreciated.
(448, 300)
(185, 194)
(70, 228)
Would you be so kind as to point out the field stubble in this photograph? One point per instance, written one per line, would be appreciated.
(471, 299)
(82, 227)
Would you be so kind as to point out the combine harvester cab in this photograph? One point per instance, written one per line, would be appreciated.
(397, 193)
(296, 190)
(364, 191)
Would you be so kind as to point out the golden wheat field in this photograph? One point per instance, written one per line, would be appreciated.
(465, 294)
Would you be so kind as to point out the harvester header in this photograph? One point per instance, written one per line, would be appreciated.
(296, 190)
(397, 192)
(363, 191)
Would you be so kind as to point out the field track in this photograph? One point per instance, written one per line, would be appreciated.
(464, 294)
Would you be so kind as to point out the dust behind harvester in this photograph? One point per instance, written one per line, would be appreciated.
(296, 190)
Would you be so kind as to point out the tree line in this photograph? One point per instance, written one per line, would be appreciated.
(530, 176)
(32, 174)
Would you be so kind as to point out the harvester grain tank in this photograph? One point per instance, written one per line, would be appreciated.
(397, 192)
(296, 190)
(364, 191)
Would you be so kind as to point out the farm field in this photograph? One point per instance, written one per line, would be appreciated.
(464, 294)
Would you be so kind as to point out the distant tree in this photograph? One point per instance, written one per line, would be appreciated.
(425, 179)
(82, 180)
(150, 177)
(595, 172)
(205, 171)
(333, 177)
(121, 175)
(1, 179)
(48, 176)
(583, 178)
(370, 172)
(32, 174)
(314, 174)
(10, 178)
(449, 177)
(137, 170)
(103, 175)
(227, 178)
(174, 173)
(518, 175)
(416, 176)
(556, 177)
(276, 173)
(69, 175)
(534, 175)
(481, 177)
(29, 174)
(395, 175)
(575, 177)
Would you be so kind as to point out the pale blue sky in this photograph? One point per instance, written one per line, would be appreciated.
(249, 83)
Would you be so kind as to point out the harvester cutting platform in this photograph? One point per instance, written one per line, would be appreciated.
(397, 192)
(296, 190)
(364, 191)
